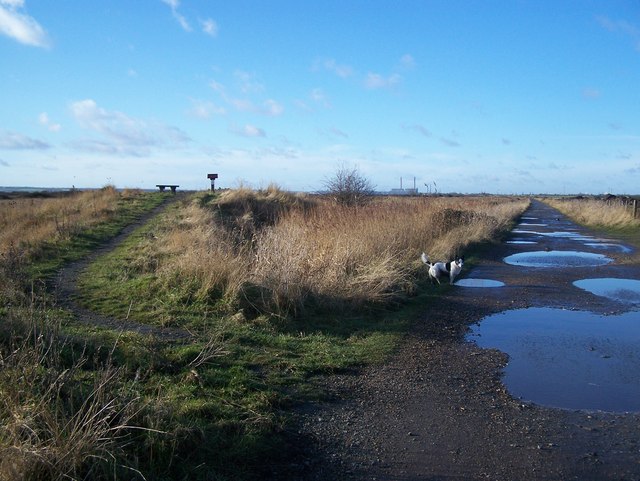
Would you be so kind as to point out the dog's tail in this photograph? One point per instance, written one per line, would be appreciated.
(425, 259)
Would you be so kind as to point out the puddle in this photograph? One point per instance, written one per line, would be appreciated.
(557, 259)
(608, 246)
(567, 359)
(518, 241)
(529, 224)
(557, 234)
(621, 290)
(479, 283)
(530, 232)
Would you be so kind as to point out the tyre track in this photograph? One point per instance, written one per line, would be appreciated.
(66, 286)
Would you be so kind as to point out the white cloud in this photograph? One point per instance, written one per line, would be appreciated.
(16, 141)
(20, 26)
(621, 26)
(121, 134)
(407, 61)
(210, 27)
(374, 81)
(44, 120)
(248, 130)
(247, 82)
(203, 109)
(181, 19)
(336, 132)
(341, 70)
(590, 93)
(272, 108)
(248, 87)
(421, 129)
(320, 97)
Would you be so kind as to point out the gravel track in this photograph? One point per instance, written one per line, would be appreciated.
(437, 410)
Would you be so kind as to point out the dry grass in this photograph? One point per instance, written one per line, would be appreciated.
(37, 235)
(597, 213)
(57, 421)
(281, 254)
(28, 222)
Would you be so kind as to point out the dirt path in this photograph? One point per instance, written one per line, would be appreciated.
(66, 287)
(438, 410)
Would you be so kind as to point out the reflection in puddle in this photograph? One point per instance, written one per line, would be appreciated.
(479, 283)
(567, 359)
(608, 246)
(518, 241)
(557, 259)
(529, 224)
(622, 290)
(561, 234)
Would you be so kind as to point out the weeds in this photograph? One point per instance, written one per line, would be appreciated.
(276, 288)
(61, 421)
(270, 252)
(611, 217)
(597, 213)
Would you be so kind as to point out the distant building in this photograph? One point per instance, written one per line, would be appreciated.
(403, 192)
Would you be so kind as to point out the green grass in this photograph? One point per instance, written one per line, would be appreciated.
(52, 256)
(215, 406)
(237, 401)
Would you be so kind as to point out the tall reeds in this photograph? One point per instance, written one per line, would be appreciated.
(282, 254)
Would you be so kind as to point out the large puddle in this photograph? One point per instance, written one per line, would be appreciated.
(557, 259)
(621, 290)
(568, 359)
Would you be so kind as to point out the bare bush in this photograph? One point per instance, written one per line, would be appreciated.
(349, 187)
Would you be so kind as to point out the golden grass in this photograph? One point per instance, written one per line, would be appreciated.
(28, 222)
(306, 251)
(596, 212)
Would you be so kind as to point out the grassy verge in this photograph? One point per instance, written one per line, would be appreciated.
(276, 290)
(609, 217)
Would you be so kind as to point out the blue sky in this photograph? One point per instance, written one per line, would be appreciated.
(475, 96)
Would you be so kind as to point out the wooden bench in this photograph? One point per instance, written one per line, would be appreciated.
(164, 186)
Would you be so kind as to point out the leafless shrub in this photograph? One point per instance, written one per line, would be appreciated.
(349, 187)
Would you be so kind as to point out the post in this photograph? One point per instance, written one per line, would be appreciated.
(213, 178)
(635, 208)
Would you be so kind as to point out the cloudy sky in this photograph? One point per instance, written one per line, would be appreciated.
(510, 96)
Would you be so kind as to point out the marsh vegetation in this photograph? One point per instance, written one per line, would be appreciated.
(274, 289)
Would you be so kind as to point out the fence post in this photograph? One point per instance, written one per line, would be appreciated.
(635, 208)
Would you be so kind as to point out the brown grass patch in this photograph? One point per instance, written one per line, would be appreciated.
(27, 222)
(274, 252)
(596, 212)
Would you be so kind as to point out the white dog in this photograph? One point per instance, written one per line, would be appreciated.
(439, 269)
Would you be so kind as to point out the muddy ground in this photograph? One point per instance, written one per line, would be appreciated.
(437, 410)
